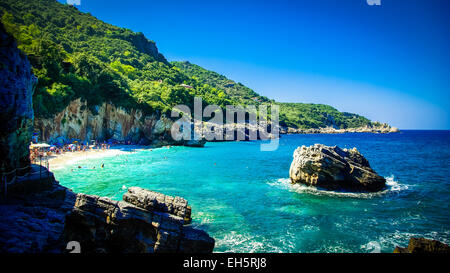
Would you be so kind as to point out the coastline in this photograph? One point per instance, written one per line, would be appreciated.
(60, 160)
(383, 129)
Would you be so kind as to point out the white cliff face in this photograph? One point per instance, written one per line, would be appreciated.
(79, 122)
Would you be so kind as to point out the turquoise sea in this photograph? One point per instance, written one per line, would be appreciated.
(242, 196)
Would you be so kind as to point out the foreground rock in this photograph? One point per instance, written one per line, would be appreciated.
(333, 168)
(16, 110)
(422, 245)
(40, 215)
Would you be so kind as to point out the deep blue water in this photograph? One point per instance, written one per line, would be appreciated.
(242, 197)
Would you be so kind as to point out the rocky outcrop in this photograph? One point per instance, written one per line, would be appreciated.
(333, 168)
(145, 222)
(422, 245)
(42, 216)
(16, 111)
(244, 131)
(382, 128)
(154, 201)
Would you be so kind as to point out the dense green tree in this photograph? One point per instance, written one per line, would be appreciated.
(74, 55)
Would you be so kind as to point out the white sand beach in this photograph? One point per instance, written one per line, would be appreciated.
(57, 161)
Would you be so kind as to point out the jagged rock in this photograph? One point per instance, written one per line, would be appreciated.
(422, 245)
(334, 168)
(16, 111)
(45, 219)
(144, 222)
(154, 201)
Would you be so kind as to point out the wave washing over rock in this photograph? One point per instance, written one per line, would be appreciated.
(392, 187)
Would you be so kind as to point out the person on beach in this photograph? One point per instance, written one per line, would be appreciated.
(103, 165)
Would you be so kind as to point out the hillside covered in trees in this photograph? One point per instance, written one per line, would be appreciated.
(74, 55)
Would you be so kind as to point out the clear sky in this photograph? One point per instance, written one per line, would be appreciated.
(389, 63)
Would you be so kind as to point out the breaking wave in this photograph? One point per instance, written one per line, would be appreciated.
(237, 242)
(392, 187)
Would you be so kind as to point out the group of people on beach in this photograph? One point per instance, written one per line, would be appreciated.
(37, 153)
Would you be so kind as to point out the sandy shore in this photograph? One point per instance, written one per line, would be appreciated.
(57, 161)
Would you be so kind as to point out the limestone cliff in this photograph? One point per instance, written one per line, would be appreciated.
(105, 122)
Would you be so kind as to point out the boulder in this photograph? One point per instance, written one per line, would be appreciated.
(333, 168)
(422, 245)
(194, 143)
(45, 219)
(155, 201)
(145, 222)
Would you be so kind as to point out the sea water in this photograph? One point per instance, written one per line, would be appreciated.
(243, 198)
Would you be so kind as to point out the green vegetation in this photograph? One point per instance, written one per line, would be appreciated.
(296, 115)
(237, 92)
(308, 115)
(75, 55)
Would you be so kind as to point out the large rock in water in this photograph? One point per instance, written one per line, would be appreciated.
(333, 168)
(422, 245)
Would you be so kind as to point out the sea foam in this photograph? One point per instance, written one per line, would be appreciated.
(392, 187)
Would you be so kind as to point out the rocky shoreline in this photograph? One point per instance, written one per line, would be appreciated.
(40, 215)
(377, 129)
(423, 246)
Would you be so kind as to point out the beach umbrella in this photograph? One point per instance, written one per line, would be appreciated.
(40, 145)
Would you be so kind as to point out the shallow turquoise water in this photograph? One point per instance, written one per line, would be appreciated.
(242, 196)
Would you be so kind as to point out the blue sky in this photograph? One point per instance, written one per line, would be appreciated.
(389, 63)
